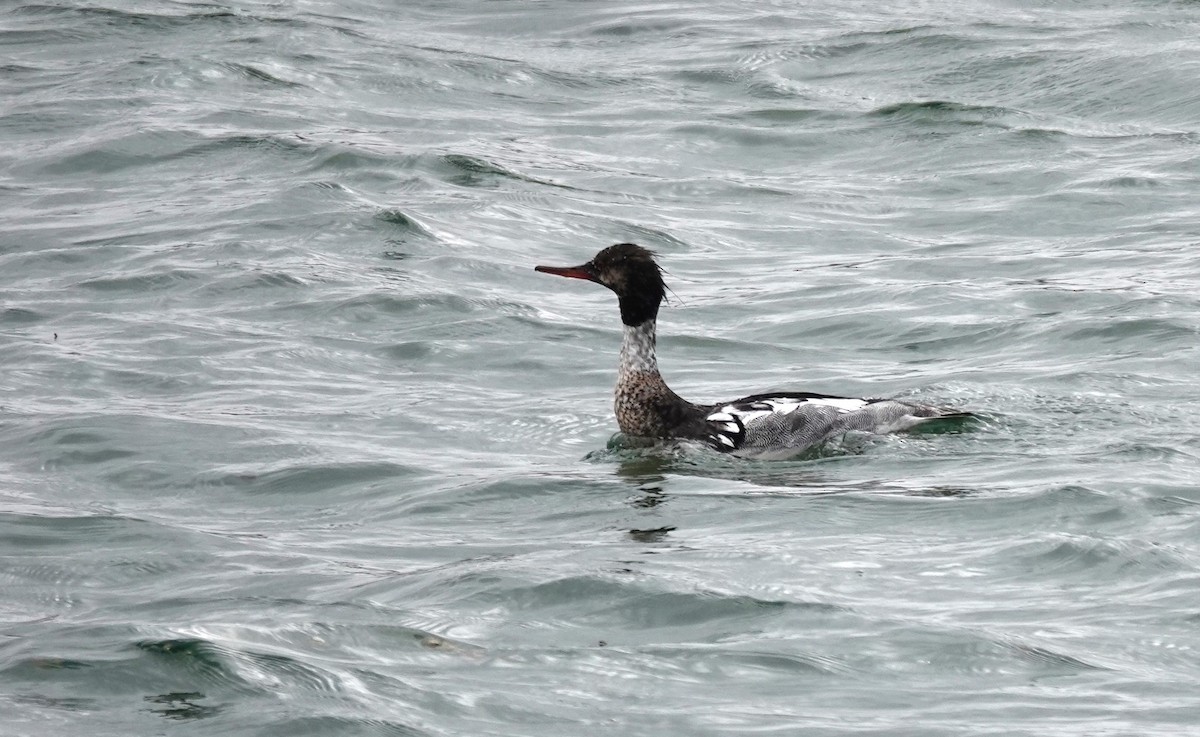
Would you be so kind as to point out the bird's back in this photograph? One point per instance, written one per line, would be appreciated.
(794, 422)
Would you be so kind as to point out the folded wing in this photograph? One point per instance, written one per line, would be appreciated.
(800, 420)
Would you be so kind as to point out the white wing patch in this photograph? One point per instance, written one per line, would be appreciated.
(839, 403)
(727, 429)
(725, 422)
(787, 405)
(730, 423)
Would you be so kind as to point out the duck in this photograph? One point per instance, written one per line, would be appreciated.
(777, 424)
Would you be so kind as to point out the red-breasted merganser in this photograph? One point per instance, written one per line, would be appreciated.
(779, 424)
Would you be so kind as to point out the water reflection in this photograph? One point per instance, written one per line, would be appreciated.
(181, 705)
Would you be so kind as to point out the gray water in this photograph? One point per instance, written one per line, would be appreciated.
(294, 441)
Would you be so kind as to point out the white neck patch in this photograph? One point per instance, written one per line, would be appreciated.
(637, 348)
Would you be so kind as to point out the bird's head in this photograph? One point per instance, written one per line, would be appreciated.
(630, 271)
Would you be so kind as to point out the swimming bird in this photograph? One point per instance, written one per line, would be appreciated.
(777, 424)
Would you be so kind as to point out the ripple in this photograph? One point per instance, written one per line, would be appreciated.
(302, 479)
(20, 316)
(1158, 330)
(704, 663)
(343, 724)
(182, 706)
(257, 74)
(938, 111)
(403, 221)
(142, 283)
(196, 658)
(1076, 554)
(473, 171)
(601, 603)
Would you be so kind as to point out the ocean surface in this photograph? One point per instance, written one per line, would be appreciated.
(294, 441)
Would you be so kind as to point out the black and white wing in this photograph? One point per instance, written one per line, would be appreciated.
(796, 421)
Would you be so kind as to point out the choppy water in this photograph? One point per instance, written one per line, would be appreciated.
(294, 441)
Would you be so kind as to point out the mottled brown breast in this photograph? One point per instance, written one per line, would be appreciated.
(646, 407)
